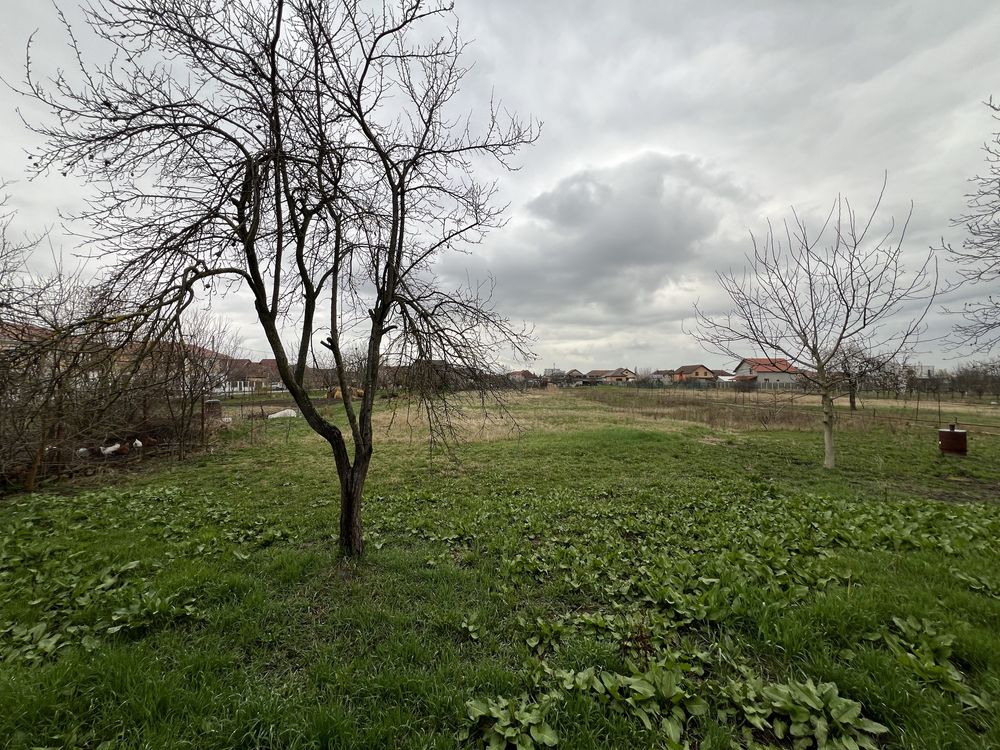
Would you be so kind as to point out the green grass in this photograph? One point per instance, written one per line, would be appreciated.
(707, 574)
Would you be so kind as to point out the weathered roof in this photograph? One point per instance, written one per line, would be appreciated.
(770, 364)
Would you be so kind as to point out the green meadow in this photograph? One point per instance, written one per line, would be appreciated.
(592, 576)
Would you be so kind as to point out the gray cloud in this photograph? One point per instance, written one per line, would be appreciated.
(616, 243)
(670, 130)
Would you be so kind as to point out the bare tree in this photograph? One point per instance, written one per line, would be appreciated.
(307, 151)
(978, 378)
(978, 257)
(79, 370)
(353, 361)
(812, 298)
(860, 369)
(192, 360)
(890, 377)
(71, 372)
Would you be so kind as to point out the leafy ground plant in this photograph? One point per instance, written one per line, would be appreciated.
(807, 714)
(501, 723)
(922, 647)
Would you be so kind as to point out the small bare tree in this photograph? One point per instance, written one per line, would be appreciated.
(308, 151)
(192, 360)
(859, 369)
(890, 377)
(812, 298)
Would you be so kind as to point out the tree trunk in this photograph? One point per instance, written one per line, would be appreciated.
(31, 474)
(853, 396)
(352, 486)
(828, 453)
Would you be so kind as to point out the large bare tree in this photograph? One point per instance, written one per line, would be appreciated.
(308, 151)
(978, 256)
(818, 298)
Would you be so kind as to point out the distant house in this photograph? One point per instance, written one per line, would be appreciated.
(616, 377)
(522, 376)
(722, 373)
(572, 378)
(770, 371)
(242, 376)
(661, 376)
(693, 373)
(12, 335)
(619, 376)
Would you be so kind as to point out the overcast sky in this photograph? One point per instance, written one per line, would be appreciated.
(670, 132)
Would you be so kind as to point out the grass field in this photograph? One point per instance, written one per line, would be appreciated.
(604, 577)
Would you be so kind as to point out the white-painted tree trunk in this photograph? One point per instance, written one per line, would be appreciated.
(829, 457)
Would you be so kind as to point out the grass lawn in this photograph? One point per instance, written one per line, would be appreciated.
(601, 579)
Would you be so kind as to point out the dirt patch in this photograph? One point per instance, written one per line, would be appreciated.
(961, 490)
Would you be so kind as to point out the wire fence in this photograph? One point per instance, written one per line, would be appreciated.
(786, 409)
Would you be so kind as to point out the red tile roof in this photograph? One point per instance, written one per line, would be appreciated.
(770, 364)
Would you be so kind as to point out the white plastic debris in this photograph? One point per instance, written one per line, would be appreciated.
(283, 414)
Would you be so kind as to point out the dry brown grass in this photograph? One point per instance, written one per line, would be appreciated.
(401, 421)
(521, 413)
